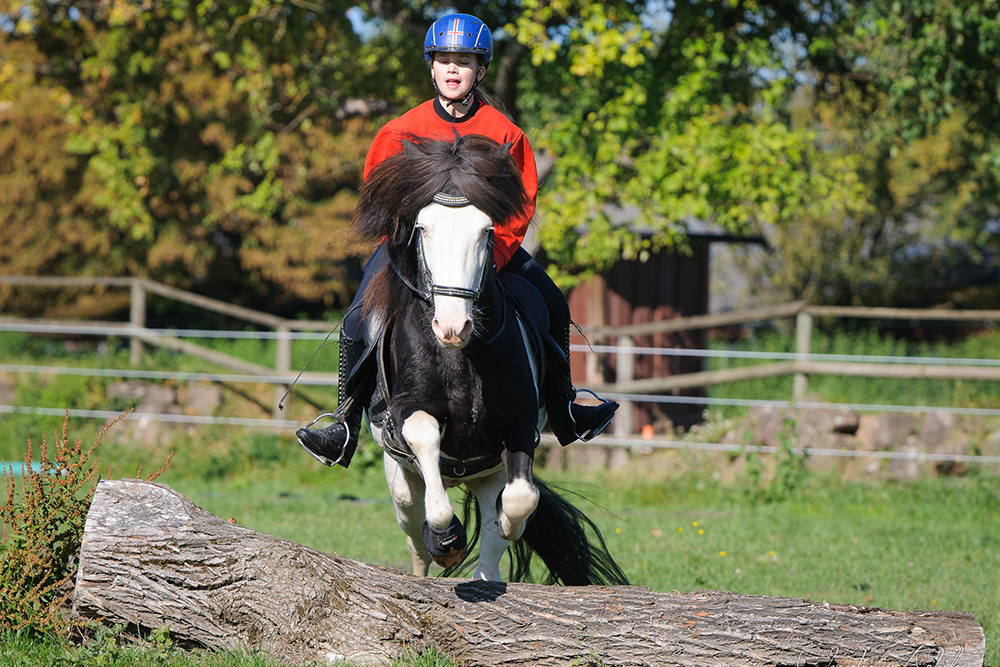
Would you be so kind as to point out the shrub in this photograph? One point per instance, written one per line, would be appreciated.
(42, 532)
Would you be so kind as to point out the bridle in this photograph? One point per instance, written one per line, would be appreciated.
(428, 288)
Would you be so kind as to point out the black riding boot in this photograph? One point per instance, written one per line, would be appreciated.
(335, 444)
(571, 421)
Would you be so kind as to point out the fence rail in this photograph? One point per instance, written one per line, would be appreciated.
(135, 329)
(800, 367)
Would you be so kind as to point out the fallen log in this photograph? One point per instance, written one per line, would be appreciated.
(152, 558)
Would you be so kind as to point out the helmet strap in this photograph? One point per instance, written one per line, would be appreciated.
(450, 102)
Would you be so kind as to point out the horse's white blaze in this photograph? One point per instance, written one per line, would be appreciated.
(456, 251)
(423, 434)
(520, 498)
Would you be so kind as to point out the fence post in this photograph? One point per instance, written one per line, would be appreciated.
(625, 373)
(803, 336)
(137, 319)
(282, 365)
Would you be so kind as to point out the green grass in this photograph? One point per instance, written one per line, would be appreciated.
(669, 520)
(930, 544)
(109, 647)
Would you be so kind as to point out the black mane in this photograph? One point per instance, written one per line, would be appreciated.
(474, 166)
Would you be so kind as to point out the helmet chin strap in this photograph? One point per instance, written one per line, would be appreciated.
(450, 102)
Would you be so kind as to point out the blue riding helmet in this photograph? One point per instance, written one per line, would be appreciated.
(459, 33)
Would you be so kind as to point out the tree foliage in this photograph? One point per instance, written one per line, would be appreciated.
(215, 144)
(205, 144)
(917, 110)
(684, 116)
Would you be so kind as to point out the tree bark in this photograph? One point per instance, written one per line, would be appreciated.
(151, 558)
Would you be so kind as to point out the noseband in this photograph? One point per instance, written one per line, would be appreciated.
(428, 288)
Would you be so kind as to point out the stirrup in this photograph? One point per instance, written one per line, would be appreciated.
(592, 433)
(338, 418)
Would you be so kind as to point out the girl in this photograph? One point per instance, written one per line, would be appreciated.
(458, 49)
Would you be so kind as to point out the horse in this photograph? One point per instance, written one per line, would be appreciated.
(459, 368)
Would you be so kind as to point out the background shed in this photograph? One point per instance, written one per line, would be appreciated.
(668, 284)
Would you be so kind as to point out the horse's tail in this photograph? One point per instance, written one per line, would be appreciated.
(569, 543)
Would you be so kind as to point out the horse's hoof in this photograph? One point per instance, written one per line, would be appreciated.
(448, 546)
(522, 500)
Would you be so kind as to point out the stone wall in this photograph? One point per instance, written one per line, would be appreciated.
(829, 429)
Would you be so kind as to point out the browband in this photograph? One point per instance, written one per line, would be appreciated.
(450, 200)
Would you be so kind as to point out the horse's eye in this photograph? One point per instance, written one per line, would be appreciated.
(486, 232)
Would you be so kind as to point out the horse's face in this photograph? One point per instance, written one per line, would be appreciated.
(455, 242)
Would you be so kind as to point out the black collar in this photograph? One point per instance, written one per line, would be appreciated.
(448, 118)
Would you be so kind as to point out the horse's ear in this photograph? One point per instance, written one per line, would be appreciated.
(410, 150)
(504, 148)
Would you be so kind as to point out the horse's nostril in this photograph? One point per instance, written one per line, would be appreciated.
(451, 335)
(466, 330)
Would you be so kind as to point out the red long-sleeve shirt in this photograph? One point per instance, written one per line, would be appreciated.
(424, 121)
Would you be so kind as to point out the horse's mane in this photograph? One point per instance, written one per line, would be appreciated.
(474, 166)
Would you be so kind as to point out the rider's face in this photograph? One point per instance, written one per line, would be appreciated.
(455, 73)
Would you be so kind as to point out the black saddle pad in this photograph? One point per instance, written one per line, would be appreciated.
(527, 299)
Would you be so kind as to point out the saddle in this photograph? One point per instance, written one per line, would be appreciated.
(521, 300)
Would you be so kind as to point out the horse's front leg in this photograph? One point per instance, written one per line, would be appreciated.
(443, 534)
(519, 498)
(491, 545)
(407, 491)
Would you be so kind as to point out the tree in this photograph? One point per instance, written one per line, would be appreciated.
(213, 144)
(660, 116)
(208, 145)
(917, 112)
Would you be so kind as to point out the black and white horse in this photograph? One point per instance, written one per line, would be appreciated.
(458, 399)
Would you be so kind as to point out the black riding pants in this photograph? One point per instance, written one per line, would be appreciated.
(524, 265)
(353, 328)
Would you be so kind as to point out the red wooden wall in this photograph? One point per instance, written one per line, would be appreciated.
(667, 285)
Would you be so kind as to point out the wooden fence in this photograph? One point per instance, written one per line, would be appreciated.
(800, 368)
(137, 321)
(625, 383)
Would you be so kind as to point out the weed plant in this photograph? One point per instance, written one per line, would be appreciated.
(42, 529)
(776, 477)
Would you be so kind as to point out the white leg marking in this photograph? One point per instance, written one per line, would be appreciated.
(520, 498)
(407, 491)
(491, 545)
(423, 434)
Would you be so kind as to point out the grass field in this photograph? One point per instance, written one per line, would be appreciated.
(672, 521)
(932, 544)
